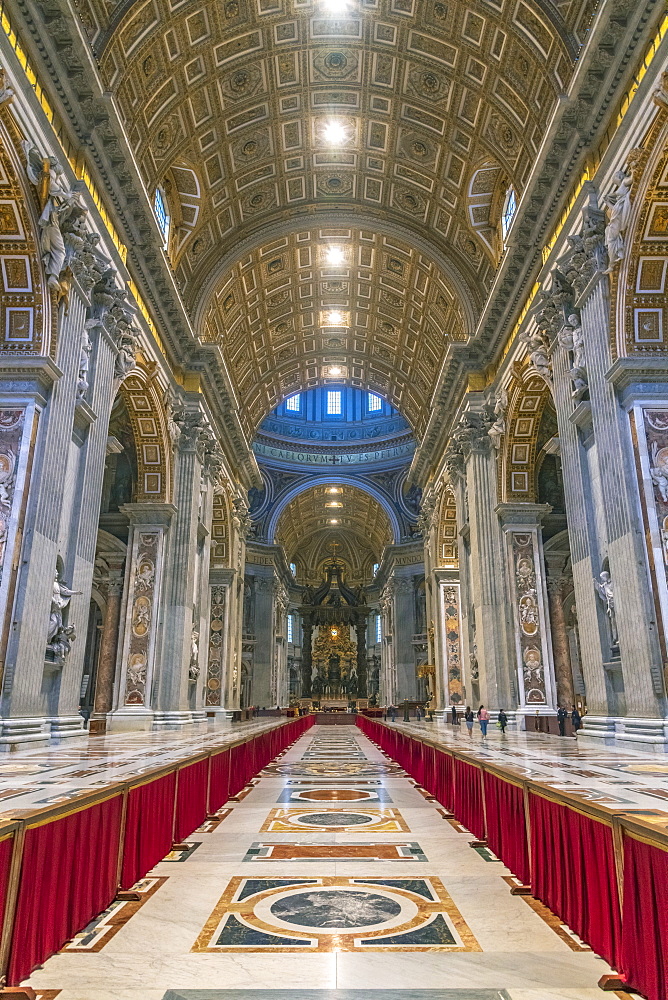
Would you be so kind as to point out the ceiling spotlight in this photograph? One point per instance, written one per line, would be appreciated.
(335, 256)
(334, 133)
(336, 6)
(332, 520)
(335, 503)
(335, 489)
(335, 371)
(334, 317)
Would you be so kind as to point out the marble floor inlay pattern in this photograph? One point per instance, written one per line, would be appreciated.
(307, 886)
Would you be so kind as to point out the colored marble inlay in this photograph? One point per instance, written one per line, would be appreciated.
(335, 852)
(374, 820)
(335, 915)
(358, 795)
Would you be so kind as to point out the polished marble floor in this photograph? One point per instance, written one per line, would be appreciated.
(375, 891)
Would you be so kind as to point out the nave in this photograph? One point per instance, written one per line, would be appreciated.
(330, 853)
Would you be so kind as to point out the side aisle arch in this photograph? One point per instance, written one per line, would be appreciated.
(527, 397)
(149, 425)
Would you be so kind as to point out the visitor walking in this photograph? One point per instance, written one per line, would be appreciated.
(562, 715)
(576, 719)
(468, 719)
(393, 713)
(454, 716)
(483, 719)
(503, 721)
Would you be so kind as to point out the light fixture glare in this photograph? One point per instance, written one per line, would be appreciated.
(334, 133)
(335, 256)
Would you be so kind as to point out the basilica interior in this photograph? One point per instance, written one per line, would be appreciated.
(333, 499)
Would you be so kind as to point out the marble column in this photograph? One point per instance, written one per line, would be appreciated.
(402, 639)
(534, 664)
(264, 655)
(361, 628)
(450, 680)
(307, 654)
(106, 666)
(172, 680)
(144, 573)
(221, 684)
(560, 643)
(65, 445)
(577, 460)
(488, 579)
(639, 647)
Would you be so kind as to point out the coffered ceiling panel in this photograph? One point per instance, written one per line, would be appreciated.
(362, 527)
(255, 116)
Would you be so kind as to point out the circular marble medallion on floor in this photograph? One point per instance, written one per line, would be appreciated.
(337, 910)
(335, 819)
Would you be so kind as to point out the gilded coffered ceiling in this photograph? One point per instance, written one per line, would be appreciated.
(361, 529)
(277, 126)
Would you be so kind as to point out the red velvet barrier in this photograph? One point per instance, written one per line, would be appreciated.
(573, 872)
(506, 825)
(443, 790)
(219, 782)
(467, 804)
(645, 918)
(149, 826)
(6, 848)
(191, 798)
(68, 876)
(428, 768)
(241, 767)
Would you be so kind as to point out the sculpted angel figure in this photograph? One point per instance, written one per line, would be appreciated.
(539, 352)
(59, 205)
(619, 212)
(60, 598)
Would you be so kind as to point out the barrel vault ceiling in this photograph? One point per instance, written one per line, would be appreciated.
(438, 107)
(362, 528)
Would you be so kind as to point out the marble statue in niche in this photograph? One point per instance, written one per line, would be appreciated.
(61, 634)
(193, 670)
(572, 340)
(539, 352)
(606, 591)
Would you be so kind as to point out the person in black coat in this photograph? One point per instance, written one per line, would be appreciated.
(503, 720)
(454, 715)
(562, 715)
(576, 719)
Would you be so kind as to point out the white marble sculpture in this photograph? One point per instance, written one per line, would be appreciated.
(605, 590)
(618, 207)
(498, 428)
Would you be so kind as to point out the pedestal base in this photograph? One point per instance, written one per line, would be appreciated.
(64, 726)
(219, 718)
(176, 720)
(18, 733)
(128, 720)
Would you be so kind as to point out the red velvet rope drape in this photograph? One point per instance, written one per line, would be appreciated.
(645, 918)
(468, 807)
(573, 872)
(219, 782)
(6, 848)
(506, 825)
(68, 876)
(148, 827)
(191, 798)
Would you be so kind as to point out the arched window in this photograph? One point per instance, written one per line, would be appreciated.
(379, 628)
(375, 403)
(509, 209)
(294, 403)
(161, 213)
